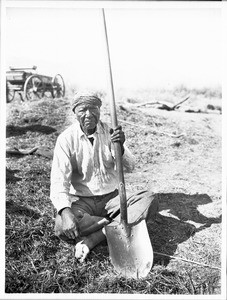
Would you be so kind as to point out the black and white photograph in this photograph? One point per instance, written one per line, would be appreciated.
(113, 176)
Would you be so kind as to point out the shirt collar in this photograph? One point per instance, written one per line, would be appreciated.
(81, 133)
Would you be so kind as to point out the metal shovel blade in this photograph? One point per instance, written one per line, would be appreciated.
(130, 249)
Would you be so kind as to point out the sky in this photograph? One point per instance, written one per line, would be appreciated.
(149, 47)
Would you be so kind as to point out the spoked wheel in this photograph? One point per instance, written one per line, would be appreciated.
(58, 86)
(9, 94)
(33, 88)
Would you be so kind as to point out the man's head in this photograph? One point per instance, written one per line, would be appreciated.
(86, 107)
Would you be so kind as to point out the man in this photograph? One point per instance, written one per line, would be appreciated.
(83, 176)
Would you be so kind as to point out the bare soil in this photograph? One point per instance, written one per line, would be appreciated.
(179, 158)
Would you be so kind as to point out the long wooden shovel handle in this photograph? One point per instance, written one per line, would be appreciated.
(117, 146)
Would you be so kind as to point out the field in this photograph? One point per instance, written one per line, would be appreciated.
(178, 157)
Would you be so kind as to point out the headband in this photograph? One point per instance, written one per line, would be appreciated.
(85, 98)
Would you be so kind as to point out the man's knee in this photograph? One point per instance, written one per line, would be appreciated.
(153, 208)
(144, 203)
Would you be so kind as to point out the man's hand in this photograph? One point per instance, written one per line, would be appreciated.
(118, 135)
(69, 223)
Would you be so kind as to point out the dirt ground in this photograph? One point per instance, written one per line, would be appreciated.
(178, 157)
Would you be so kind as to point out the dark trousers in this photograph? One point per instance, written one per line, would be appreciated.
(93, 213)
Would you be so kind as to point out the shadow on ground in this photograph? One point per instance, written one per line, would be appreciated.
(14, 208)
(12, 130)
(167, 232)
(10, 176)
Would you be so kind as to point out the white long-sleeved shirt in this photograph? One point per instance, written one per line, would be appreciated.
(82, 169)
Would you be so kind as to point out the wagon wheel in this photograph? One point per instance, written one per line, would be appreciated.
(33, 88)
(58, 86)
(9, 94)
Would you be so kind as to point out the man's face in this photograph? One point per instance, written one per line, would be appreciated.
(88, 115)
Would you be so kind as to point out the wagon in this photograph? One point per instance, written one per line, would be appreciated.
(32, 86)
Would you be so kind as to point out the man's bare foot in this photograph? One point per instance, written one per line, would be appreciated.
(87, 243)
(81, 251)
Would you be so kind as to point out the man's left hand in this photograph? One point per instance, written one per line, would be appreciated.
(117, 135)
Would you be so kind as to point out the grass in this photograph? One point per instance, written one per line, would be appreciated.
(38, 262)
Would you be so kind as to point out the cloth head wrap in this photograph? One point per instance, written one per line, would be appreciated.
(85, 98)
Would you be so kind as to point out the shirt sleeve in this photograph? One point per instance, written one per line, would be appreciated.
(60, 178)
(128, 160)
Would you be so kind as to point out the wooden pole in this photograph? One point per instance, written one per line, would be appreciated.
(117, 146)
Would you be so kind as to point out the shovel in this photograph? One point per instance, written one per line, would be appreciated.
(129, 244)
